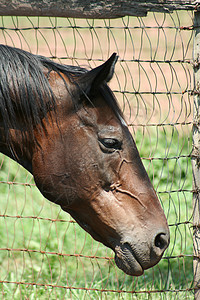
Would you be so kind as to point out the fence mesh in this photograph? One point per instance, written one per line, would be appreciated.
(43, 252)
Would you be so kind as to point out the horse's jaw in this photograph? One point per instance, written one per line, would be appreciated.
(134, 250)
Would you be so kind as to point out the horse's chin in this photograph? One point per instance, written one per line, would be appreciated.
(126, 260)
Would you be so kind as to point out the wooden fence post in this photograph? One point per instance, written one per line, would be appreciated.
(196, 157)
(93, 9)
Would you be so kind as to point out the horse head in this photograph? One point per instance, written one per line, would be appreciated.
(91, 167)
(81, 153)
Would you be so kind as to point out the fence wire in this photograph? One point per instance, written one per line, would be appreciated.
(43, 252)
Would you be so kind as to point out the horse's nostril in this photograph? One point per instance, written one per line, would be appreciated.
(162, 241)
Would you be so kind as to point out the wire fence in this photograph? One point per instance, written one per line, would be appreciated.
(43, 252)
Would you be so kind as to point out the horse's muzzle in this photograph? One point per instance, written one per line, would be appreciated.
(134, 259)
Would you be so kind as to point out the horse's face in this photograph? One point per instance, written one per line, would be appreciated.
(89, 164)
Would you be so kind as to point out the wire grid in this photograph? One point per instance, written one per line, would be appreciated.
(43, 252)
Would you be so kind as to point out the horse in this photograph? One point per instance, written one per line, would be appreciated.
(64, 125)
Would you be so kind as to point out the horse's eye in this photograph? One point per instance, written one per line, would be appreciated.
(111, 143)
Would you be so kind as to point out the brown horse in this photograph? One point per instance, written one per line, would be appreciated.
(63, 124)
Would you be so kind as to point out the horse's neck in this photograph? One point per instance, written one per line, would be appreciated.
(16, 149)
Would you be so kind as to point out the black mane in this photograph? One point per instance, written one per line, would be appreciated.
(24, 89)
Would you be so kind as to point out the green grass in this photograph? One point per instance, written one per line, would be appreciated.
(28, 228)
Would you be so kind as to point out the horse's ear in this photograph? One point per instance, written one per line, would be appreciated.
(90, 82)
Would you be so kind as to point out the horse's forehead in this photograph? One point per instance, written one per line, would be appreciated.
(107, 117)
(55, 78)
(103, 111)
(98, 110)
(99, 117)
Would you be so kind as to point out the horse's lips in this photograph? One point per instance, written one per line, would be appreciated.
(124, 257)
(126, 260)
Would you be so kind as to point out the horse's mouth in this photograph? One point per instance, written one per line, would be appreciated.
(132, 260)
(126, 260)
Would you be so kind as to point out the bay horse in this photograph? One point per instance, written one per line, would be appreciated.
(64, 125)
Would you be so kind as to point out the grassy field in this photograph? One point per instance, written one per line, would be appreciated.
(50, 253)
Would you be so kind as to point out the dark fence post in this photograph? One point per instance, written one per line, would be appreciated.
(92, 9)
(196, 157)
